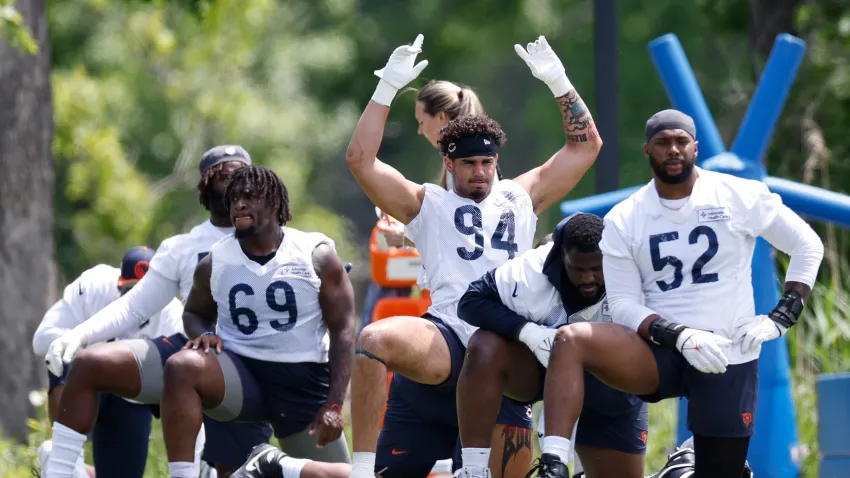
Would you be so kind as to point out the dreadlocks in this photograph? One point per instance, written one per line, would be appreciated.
(205, 185)
(263, 183)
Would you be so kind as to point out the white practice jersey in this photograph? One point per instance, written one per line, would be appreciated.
(525, 289)
(177, 256)
(93, 290)
(459, 240)
(271, 312)
(694, 262)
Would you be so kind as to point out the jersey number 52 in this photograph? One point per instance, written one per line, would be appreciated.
(697, 276)
(289, 306)
(503, 236)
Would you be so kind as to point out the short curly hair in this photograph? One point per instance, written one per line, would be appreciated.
(470, 126)
(583, 233)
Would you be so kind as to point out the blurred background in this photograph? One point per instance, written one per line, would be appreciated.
(107, 105)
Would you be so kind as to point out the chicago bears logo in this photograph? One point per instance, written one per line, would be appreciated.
(643, 436)
(140, 269)
(747, 417)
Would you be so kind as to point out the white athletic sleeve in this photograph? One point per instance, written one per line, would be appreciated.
(785, 230)
(790, 234)
(623, 282)
(147, 298)
(56, 322)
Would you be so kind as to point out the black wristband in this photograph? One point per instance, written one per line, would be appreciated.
(788, 310)
(665, 333)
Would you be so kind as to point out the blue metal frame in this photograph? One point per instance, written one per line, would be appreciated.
(772, 449)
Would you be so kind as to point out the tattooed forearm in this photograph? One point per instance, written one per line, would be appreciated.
(578, 124)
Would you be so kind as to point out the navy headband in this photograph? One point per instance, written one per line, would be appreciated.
(471, 146)
(669, 119)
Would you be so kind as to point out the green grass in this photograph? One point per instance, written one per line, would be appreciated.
(820, 344)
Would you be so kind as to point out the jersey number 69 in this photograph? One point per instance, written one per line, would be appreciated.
(288, 306)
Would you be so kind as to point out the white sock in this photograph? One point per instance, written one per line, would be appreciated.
(183, 469)
(200, 440)
(67, 450)
(363, 461)
(475, 457)
(559, 446)
(292, 466)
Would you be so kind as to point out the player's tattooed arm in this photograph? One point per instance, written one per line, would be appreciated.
(200, 311)
(336, 298)
(578, 123)
(550, 182)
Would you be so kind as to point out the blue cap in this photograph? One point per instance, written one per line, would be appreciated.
(222, 154)
(135, 264)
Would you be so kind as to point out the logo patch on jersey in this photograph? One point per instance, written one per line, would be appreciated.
(606, 311)
(298, 271)
(713, 214)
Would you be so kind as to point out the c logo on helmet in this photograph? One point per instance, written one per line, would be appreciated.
(452, 147)
(141, 268)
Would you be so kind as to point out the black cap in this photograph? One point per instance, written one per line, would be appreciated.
(224, 153)
(669, 119)
(135, 264)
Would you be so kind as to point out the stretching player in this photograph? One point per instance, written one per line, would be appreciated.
(120, 366)
(265, 300)
(518, 307)
(677, 262)
(122, 432)
(460, 234)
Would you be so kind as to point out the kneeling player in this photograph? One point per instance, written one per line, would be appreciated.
(264, 302)
(677, 261)
(518, 307)
(122, 431)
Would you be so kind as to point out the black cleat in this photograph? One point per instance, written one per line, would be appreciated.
(680, 464)
(263, 462)
(549, 466)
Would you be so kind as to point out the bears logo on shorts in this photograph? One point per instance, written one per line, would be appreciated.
(747, 417)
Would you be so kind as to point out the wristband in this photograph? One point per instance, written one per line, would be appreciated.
(208, 332)
(384, 93)
(788, 310)
(335, 406)
(665, 333)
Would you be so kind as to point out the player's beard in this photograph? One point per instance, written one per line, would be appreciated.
(576, 297)
(661, 174)
(247, 232)
(217, 204)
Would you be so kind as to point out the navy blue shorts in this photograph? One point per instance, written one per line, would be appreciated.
(719, 405)
(609, 419)
(227, 443)
(421, 424)
(287, 395)
(120, 436)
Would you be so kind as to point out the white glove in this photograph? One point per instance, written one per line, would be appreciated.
(757, 331)
(545, 66)
(539, 339)
(63, 350)
(399, 71)
(702, 350)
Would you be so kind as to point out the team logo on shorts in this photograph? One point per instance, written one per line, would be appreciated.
(643, 436)
(529, 412)
(747, 417)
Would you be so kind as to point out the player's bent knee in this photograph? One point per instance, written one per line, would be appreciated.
(184, 366)
(486, 349)
(376, 342)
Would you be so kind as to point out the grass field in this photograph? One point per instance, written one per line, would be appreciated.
(819, 344)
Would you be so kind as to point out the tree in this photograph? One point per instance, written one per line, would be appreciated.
(27, 271)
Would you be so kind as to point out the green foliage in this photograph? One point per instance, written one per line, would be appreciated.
(13, 29)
